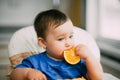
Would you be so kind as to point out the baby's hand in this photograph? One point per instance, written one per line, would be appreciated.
(83, 51)
(33, 74)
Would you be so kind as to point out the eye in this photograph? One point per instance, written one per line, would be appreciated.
(60, 39)
(70, 36)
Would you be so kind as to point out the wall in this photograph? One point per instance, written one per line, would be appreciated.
(21, 12)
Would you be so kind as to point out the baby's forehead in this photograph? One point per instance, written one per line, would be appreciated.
(67, 23)
(65, 27)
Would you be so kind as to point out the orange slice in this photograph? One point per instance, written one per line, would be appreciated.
(70, 56)
(79, 78)
(82, 78)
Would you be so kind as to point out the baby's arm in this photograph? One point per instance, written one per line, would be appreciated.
(94, 68)
(27, 74)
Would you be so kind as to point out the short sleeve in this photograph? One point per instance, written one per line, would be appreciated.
(26, 63)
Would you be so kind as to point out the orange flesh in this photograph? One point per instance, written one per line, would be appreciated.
(79, 78)
(70, 56)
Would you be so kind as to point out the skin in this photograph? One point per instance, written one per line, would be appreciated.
(57, 40)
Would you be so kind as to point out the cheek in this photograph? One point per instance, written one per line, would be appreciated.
(58, 48)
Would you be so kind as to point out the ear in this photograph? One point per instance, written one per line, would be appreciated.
(42, 42)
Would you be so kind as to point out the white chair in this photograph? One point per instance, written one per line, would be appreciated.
(24, 43)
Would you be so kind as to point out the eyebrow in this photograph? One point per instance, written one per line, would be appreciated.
(64, 34)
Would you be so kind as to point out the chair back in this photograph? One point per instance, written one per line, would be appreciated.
(24, 43)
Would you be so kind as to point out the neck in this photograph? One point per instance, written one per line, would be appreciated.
(50, 56)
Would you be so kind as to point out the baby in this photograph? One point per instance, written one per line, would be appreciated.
(55, 34)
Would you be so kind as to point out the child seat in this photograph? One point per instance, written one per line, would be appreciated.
(24, 43)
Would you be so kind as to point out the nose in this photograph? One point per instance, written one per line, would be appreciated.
(68, 44)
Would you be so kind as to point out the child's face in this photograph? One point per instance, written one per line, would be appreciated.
(59, 39)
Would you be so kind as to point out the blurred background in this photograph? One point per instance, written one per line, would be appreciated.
(101, 18)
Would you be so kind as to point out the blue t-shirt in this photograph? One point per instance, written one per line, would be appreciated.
(54, 69)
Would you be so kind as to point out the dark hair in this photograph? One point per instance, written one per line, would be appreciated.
(47, 19)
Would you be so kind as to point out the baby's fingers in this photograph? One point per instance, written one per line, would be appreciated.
(82, 51)
(43, 77)
(33, 74)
